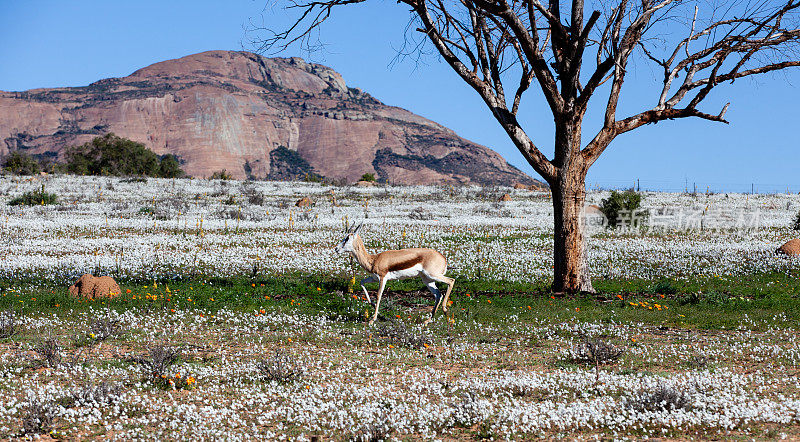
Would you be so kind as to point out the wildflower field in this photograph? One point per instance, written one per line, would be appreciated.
(237, 321)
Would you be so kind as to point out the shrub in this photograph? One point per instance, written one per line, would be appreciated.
(116, 156)
(8, 324)
(19, 163)
(102, 393)
(49, 350)
(594, 351)
(254, 197)
(698, 362)
(661, 399)
(664, 287)
(281, 368)
(170, 167)
(370, 177)
(104, 328)
(39, 417)
(312, 177)
(623, 206)
(221, 175)
(796, 224)
(156, 366)
(35, 198)
(373, 432)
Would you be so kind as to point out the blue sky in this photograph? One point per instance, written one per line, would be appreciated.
(59, 43)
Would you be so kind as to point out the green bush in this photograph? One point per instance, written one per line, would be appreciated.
(35, 198)
(664, 287)
(796, 224)
(170, 167)
(312, 177)
(221, 175)
(111, 155)
(370, 177)
(19, 163)
(620, 205)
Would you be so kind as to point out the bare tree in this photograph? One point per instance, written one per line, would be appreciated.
(497, 46)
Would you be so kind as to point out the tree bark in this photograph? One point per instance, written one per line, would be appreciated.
(570, 262)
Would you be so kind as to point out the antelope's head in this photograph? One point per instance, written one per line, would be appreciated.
(346, 245)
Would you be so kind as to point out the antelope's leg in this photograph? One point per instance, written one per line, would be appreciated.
(368, 280)
(378, 301)
(450, 282)
(437, 296)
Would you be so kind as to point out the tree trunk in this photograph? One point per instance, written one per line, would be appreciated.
(570, 263)
(571, 269)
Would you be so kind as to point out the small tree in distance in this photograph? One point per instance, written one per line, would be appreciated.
(111, 155)
(19, 163)
(575, 51)
(621, 205)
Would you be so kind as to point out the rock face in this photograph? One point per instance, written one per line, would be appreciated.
(791, 248)
(274, 118)
(88, 286)
(304, 202)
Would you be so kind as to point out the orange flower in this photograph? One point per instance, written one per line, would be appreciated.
(172, 310)
(262, 311)
(489, 301)
(128, 291)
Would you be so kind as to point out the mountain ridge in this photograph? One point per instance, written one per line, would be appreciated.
(231, 110)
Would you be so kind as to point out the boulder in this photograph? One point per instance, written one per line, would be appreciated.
(791, 248)
(505, 197)
(89, 286)
(593, 209)
(304, 202)
(532, 187)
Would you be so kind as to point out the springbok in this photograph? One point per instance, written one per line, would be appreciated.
(427, 264)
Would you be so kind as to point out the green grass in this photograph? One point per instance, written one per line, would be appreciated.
(751, 301)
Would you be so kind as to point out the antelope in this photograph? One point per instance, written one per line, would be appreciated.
(428, 264)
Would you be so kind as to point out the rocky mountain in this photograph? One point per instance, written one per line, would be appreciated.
(275, 118)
